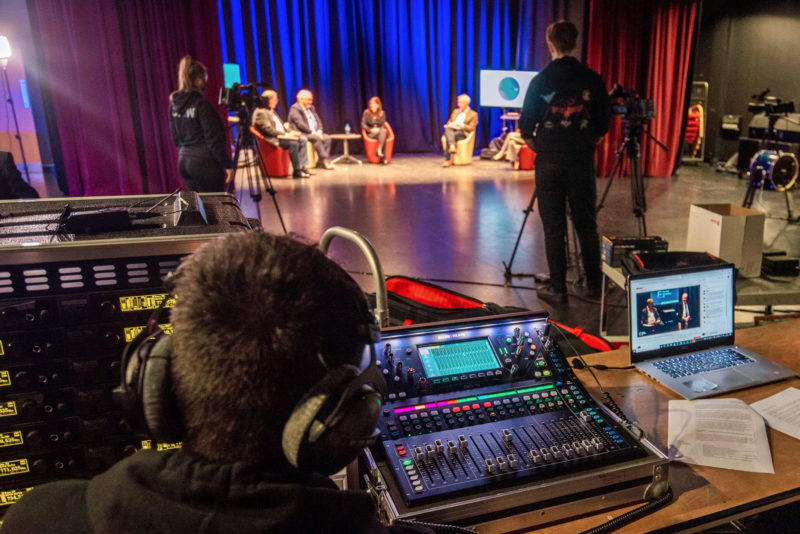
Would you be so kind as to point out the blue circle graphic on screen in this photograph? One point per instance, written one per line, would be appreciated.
(508, 88)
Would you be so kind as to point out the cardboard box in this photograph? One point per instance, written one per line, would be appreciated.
(730, 232)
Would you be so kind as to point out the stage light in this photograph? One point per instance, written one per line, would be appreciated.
(5, 53)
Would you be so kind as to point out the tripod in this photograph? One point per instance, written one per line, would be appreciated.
(631, 149)
(256, 174)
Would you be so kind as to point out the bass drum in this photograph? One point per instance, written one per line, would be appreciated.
(778, 169)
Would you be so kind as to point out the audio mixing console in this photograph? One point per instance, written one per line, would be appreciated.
(490, 405)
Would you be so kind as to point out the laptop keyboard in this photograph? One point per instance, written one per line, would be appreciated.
(701, 362)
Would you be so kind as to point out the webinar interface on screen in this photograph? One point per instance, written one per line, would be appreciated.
(674, 310)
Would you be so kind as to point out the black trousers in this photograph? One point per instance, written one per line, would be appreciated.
(201, 174)
(294, 147)
(322, 144)
(560, 180)
(452, 135)
(381, 136)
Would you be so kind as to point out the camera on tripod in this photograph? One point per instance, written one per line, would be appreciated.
(242, 99)
(630, 106)
(769, 105)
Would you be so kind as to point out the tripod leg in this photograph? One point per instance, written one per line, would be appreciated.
(617, 167)
(789, 214)
(637, 191)
(527, 211)
(262, 171)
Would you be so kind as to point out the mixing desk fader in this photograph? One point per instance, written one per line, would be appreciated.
(490, 404)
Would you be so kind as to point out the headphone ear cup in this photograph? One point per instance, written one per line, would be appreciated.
(305, 427)
(156, 394)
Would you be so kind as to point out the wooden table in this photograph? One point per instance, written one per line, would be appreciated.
(704, 496)
(346, 157)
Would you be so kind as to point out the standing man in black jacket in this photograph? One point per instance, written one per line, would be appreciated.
(303, 118)
(565, 114)
(197, 131)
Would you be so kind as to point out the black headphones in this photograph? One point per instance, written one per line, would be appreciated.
(327, 428)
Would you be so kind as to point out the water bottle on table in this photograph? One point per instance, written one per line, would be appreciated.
(347, 128)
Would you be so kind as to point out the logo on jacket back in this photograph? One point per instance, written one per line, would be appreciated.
(187, 114)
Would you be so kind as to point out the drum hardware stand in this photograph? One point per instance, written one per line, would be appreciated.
(631, 148)
(758, 180)
(256, 173)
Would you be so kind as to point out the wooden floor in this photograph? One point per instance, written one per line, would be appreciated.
(456, 226)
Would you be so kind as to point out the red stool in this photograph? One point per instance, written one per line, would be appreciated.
(276, 159)
(527, 157)
(371, 145)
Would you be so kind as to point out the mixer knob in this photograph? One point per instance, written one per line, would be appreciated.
(385, 372)
(462, 442)
(598, 444)
(397, 379)
(107, 309)
(508, 362)
(502, 464)
(490, 465)
(33, 438)
(579, 450)
(419, 454)
(557, 454)
(585, 417)
(507, 435)
(588, 446)
(535, 457)
(439, 446)
(452, 449)
(512, 460)
(546, 456)
(568, 452)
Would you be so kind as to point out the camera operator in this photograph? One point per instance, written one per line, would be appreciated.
(263, 327)
(198, 132)
(565, 113)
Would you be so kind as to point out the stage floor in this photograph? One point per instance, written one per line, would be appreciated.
(455, 226)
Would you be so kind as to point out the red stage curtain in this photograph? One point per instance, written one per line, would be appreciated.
(107, 69)
(646, 47)
(671, 34)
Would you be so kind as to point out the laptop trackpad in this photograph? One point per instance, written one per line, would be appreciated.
(700, 385)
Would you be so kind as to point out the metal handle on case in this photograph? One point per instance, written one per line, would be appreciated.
(381, 301)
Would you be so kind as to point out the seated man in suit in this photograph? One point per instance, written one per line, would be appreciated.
(650, 316)
(684, 313)
(268, 123)
(303, 118)
(263, 327)
(462, 121)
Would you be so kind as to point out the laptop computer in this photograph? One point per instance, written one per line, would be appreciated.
(681, 332)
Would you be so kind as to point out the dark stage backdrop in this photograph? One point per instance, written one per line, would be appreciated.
(744, 48)
(416, 56)
(106, 70)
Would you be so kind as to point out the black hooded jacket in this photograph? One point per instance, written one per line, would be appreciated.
(175, 492)
(196, 128)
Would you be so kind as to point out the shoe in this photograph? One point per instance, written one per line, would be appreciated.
(306, 172)
(383, 160)
(551, 295)
(327, 165)
(515, 165)
(380, 154)
(447, 163)
(298, 174)
(452, 150)
(498, 156)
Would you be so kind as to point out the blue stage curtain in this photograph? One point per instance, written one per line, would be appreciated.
(417, 56)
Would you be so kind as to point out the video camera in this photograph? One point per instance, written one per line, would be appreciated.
(242, 99)
(769, 105)
(630, 106)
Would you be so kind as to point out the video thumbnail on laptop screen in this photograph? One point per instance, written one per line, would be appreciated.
(667, 310)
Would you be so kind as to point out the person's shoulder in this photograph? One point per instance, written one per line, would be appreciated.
(50, 508)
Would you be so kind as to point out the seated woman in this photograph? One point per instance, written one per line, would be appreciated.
(268, 123)
(373, 122)
(510, 149)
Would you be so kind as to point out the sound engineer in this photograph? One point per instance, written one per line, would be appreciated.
(264, 327)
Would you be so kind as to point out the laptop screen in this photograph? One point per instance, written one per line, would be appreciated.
(680, 311)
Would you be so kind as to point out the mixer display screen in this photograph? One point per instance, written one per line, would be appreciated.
(442, 359)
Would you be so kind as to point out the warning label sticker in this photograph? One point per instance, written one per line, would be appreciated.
(14, 467)
(11, 496)
(8, 408)
(5, 378)
(10, 439)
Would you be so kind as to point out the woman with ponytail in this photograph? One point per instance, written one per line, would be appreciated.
(197, 131)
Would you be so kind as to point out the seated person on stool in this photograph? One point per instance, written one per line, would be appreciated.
(373, 122)
(510, 149)
(264, 326)
(268, 123)
(303, 118)
(462, 122)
